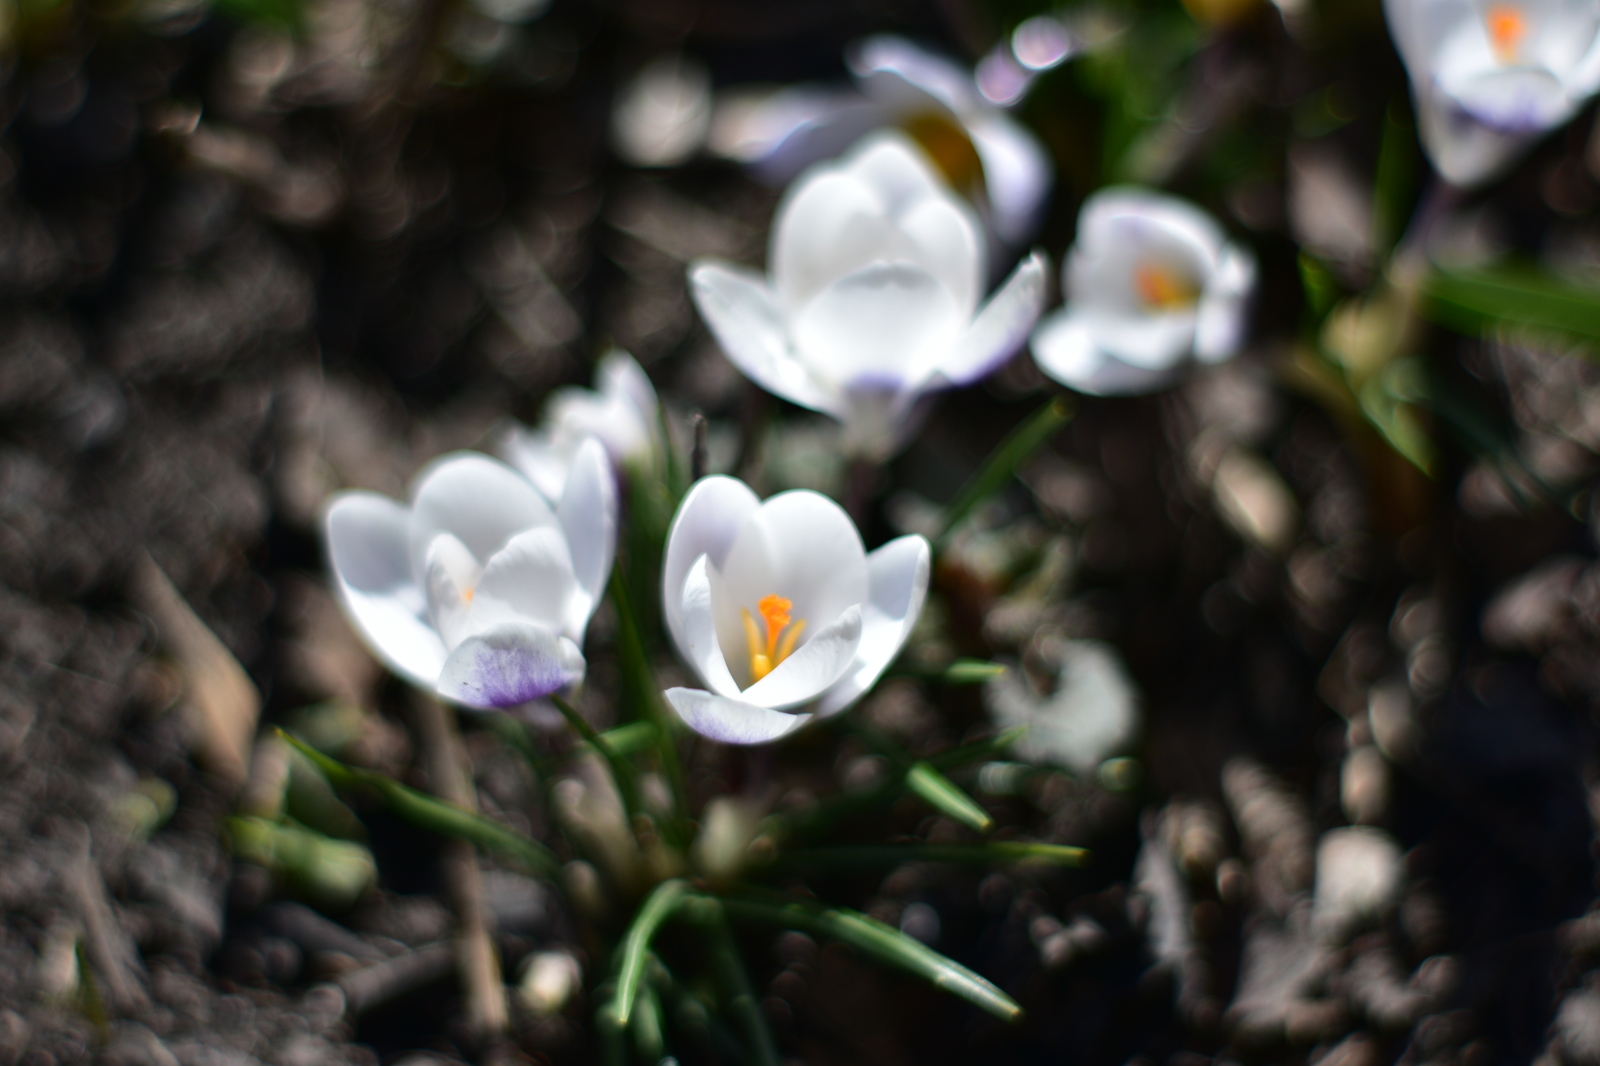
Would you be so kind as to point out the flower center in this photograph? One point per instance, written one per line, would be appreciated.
(1507, 27)
(1161, 288)
(948, 145)
(766, 652)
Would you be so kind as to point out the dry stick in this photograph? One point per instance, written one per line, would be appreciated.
(446, 762)
(106, 943)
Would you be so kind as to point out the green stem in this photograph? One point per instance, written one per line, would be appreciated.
(874, 938)
(621, 769)
(636, 945)
(833, 810)
(980, 854)
(1003, 462)
(636, 666)
(736, 990)
(434, 814)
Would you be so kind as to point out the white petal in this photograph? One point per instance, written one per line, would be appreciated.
(1220, 319)
(371, 564)
(1016, 174)
(897, 170)
(538, 457)
(1001, 327)
(482, 502)
(707, 522)
(799, 545)
(1463, 150)
(895, 70)
(739, 308)
(899, 573)
(880, 327)
(529, 580)
(1065, 349)
(830, 223)
(451, 575)
(818, 663)
(509, 665)
(588, 517)
(731, 721)
(619, 375)
(700, 644)
(947, 240)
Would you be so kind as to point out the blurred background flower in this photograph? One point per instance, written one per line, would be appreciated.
(1151, 283)
(479, 590)
(872, 302)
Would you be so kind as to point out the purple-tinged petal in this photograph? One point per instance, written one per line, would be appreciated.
(731, 721)
(1001, 327)
(371, 565)
(509, 665)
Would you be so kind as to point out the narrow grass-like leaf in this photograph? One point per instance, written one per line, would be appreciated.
(629, 740)
(435, 814)
(872, 937)
(946, 796)
(1518, 294)
(733, 981)
(959, 672)
(621, 769)
(1003, 462)
(978, 854)
(647, 696)
(836, 808)
(636, 945)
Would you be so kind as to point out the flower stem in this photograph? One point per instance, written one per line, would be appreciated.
(734, 981)
(636, 668)
(621, 769)
(1003, 462)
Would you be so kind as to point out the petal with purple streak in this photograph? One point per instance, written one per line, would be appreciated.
(509, 664)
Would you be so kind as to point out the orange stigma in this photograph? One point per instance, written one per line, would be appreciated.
(1161, 287)
(1507, 27)
(767, 651)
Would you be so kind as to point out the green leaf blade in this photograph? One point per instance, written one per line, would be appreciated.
(871, 937)
(947, 797)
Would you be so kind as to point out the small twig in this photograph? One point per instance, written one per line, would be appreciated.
(106, 943)
(487, 1012)
(375, 985)
(697, 450)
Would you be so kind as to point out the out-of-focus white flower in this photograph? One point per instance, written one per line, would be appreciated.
(1151, 282)
(621, 412)
(876, 273)
(479, 591)
(1490, 76)
(779, 609)
(661, 116)
(980, 149)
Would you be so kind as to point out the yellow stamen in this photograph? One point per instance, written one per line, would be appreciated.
(1162, 288)
(948, 145)
(766, 652)
(1507, 27)
(466, 597)
(786, 648)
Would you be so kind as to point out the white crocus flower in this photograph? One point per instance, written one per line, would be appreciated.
(621, 412)
(1151, 283)
(779, 609)
(981, 149)
(1490, 76)
(479, 591)
(873, 299)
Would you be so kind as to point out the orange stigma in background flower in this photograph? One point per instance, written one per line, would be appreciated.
(1161, 287)
(767, 652)
(1507, 27)
(948, 145)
